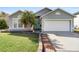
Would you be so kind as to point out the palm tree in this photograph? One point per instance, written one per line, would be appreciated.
(28, 18)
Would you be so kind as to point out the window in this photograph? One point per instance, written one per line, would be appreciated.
(15, 25)
(14, 22)
(57, 13)
(18, 16)
(20, 25)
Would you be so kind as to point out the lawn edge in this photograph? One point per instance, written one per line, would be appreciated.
(40, 44)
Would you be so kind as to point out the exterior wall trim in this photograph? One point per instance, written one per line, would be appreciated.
(57, 19)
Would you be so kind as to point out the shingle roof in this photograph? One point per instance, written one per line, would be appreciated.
(56, 10)
(76, 13)
(43, 10)
(16, 12)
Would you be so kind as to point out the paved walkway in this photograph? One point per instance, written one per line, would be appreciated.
(47, 46)
(65, 41)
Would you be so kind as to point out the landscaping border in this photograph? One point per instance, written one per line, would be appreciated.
(40, 44)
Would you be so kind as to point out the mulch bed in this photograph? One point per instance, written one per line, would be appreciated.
(47, 46)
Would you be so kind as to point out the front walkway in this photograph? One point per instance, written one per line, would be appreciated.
(46, 44)
(65, 41)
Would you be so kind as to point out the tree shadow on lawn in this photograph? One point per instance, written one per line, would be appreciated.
(32, 36)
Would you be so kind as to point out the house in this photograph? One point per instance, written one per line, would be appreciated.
(15, 24)
(76, 20)
(46, 20)
(57, 20)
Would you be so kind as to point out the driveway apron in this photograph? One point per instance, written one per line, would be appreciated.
(65, 41)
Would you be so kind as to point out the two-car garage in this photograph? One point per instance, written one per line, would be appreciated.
(57, 20)
(57, 25)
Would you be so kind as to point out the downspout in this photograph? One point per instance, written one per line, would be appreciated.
(73, 25)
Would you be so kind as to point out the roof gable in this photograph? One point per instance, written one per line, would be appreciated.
(19, 11)
(43, 11)
(58, 9)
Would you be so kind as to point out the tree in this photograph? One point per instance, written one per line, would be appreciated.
(28, 18)
(3, 24)
(3, 14)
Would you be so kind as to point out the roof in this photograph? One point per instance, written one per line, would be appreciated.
(3, 14)
(56, 10)
(76, 13)
(16, 12)
(43, 10)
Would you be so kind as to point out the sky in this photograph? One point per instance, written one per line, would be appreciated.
(11, 10)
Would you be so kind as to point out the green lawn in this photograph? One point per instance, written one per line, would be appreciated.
(18, 42)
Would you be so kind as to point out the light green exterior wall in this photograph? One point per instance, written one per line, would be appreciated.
(37, 23)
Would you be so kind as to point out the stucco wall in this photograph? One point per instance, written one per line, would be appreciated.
(14, 17)
(58, 17)
(76, 21)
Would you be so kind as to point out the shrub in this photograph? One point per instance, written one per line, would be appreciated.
(3, 24)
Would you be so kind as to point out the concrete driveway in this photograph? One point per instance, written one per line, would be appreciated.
(65, 41)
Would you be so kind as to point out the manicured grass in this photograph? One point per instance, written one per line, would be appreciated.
(18, 42)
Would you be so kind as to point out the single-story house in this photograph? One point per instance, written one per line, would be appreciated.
(46, 20)
(76, 20)
(57, 20)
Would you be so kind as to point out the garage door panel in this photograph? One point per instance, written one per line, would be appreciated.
(56, 26)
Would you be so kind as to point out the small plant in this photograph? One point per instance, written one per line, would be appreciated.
(3, 24)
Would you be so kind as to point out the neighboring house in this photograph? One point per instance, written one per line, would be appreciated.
(46, 20)
(76, 20)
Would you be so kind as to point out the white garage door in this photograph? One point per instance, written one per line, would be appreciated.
(56, 26)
